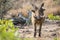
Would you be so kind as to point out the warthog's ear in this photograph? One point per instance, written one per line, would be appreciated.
(33, 11)
(42, 4)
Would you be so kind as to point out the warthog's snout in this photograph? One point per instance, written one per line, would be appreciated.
(37, 17)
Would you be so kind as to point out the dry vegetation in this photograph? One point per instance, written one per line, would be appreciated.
(16, 6)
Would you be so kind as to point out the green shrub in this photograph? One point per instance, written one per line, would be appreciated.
(51, 17)
(57, 17)
(7, 30)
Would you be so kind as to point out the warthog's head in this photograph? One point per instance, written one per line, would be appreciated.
(38, 12)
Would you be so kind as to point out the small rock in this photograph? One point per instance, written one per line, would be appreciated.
(54, 34)
(27, 31)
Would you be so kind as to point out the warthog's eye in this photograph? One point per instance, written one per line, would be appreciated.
(35, 16)
(33, 11)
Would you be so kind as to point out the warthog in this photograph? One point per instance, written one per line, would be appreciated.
(37, 18)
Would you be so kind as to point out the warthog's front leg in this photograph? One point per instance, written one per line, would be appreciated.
(34, 29)
(40, 30)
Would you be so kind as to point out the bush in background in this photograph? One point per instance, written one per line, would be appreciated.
(52, 17)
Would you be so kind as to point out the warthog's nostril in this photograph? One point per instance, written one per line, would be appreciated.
(38, 17)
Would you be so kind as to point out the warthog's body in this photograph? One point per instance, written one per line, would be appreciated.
(37, 18)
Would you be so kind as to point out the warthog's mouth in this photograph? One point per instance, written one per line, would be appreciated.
(38, 18)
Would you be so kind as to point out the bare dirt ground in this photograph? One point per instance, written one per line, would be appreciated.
(49, 32)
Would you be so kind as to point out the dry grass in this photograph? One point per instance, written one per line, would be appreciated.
(54, 10)
(26, 4)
